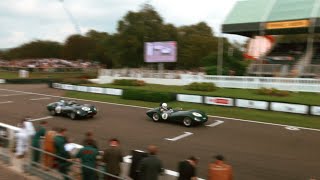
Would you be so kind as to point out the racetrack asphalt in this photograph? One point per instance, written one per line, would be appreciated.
(256, 151)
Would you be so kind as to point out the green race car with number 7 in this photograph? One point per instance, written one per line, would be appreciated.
(187, 118)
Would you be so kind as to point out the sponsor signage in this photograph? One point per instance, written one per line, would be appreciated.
(221, 101)
(68, 87)
(288, 24)
(315, 110)
(82, 88)
(160, 52)
(57, 85)
(96, 90)
(244, 103)
(189, 98)
(291, 108)
(2, 81)
(111, 91)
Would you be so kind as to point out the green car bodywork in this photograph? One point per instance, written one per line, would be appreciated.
(72, 110)
(187, 118)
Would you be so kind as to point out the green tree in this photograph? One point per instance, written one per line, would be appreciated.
(78, 47)
(35, 49)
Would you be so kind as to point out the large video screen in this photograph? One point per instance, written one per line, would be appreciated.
(160, 52)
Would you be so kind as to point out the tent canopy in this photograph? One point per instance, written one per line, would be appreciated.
(251, 17)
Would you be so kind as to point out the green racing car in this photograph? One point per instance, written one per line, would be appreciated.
(72, 109)
(187, 118)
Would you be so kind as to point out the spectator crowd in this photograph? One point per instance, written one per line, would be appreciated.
(48, 63)
(51, 148)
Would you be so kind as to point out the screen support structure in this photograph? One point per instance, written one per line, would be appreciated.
(160, 68)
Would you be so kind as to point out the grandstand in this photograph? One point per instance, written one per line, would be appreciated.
(299, 57)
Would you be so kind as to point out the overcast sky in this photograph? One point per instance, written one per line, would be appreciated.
(26, 20)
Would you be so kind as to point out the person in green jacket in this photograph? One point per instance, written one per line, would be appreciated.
(88, 155)
(41, 131)
(60, 141)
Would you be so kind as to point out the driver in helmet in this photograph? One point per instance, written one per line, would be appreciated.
(164, 107)
(62, 102)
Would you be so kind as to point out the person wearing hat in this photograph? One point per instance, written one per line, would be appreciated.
(187, 169)
(219, 170)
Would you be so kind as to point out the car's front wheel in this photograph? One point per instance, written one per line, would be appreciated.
(156, 117)
(73, 115)
(187, 122)
(53, 112)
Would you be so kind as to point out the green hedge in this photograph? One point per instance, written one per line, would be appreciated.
(150, 96)
(201, 86)
(128, 82)
(28, 81)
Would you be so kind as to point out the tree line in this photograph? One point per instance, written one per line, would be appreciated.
(197, 45)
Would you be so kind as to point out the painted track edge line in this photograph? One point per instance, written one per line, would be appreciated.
(234, 119)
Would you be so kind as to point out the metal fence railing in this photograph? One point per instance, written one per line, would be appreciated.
(98, 171)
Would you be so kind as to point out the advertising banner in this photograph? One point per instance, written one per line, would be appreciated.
(155, 52)
(57, 85)
(288, 24)
(244, 103)
(189, 98)
(315, 110)
(82, 88)
(291, 108)
(220, 101)
(112, 91)
(68, 87)
(96, 90)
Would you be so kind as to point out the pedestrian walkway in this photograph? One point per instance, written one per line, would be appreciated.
(7, 173)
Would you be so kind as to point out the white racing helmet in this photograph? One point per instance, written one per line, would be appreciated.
(164, 105)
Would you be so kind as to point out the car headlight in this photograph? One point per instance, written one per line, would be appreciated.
(85, 108)
(196, 114)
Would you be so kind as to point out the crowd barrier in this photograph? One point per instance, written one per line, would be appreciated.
(7, 141)
(209, 100)
(2, 81)
(239, 82)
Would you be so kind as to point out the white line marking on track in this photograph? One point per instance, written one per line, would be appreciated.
(142, 107)
(5, 102)
(6, 95)
(292, 128)
(37, 99)
(218, 122)
(179, 137)
(38, 119)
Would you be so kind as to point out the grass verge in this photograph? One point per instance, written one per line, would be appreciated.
(232, 112)
(294, 97)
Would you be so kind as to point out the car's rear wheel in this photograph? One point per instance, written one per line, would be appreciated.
(73, 115)
(187, 122)
(156, 117)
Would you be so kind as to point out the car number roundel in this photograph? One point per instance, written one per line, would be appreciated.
(165, 116)
(58, 109)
